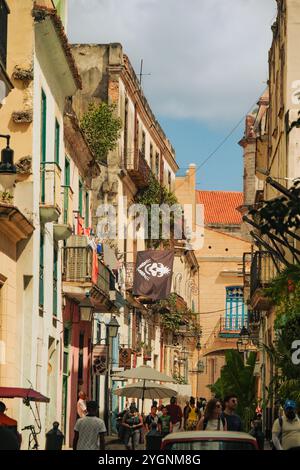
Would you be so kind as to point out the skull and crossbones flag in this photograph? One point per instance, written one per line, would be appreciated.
(153, 274)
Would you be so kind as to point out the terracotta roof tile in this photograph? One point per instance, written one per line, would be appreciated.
(220, 206)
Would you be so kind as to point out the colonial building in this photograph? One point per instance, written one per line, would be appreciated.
(275, 139)
(37, 219)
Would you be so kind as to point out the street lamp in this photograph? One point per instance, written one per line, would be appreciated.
(112, 332)
(243, 342)
(86, 308)
(7, 168)
(113, 327)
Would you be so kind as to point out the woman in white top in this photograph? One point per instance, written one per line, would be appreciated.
(213, 420)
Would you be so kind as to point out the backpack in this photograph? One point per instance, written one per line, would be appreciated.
(219, 420)
(280, 434)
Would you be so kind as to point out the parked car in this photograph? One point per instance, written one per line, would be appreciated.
(209, 440)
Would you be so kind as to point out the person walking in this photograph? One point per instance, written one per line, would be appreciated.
(164, 422)
(81, 405)
(286, 429)
(151, 418)
(257, 432)
(132, 423)
(175, 413)
(191, 415)
(9, 423)
(90, 430)
(234, 422)
(54, 438)
(213, 420)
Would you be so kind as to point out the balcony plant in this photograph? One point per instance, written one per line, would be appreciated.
(156, 194)
(101, 128)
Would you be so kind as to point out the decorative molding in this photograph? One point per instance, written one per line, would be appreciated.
(23, 74)
(20, 117)
(24, 165)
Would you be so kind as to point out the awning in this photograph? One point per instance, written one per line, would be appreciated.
(25, 393)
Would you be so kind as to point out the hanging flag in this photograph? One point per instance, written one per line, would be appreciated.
(153, 274)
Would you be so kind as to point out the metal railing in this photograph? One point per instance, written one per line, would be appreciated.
(51, 184)
(264, 268)
(78, 268)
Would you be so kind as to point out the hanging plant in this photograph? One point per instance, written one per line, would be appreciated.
(156, 194)
(101, 128)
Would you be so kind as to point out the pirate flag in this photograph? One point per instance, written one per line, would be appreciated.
(153, 274)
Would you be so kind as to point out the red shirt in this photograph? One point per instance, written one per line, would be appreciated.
(175, 413)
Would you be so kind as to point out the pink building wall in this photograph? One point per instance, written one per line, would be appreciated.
(71, 314)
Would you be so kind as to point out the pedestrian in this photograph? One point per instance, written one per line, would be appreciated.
(89, 431)
(257, 432)
(81, 405)
(159, 410)
(164, 422)
(213, 420)
(8, 439)
(151, 418)
(286, 429)
(54, 438)
(175, 413)
(234, 422)
(9, 423)
(133, 423)
(191, 415)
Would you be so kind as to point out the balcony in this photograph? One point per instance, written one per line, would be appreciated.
(64, 230)
(138, 170)
(231, 327)
(50, 202)
(13, 223)
(264, 268)
(80, 276)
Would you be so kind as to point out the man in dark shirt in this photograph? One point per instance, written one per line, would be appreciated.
(175, 412)
(234, 422)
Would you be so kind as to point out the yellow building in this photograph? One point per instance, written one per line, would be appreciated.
(222, 312)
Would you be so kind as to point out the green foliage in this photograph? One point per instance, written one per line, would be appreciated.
(101, 128)
(238, 378)
(173, 317)
(279, 214)
(179, 379)
(285, 292)
(156, 194)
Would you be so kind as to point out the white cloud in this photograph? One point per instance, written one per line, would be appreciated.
(208, 58)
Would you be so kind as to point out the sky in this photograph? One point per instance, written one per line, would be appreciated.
(208, 65)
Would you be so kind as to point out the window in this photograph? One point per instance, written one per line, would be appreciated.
(80, 197)
(151, 157)
(143, 144)
(169, 181)
(87, 209)
(41, 272)
(66, 190)
(80, 358)
(126, 131)
(57, 142)
(235, 317)
(4, 11)
(55, 275)
(157, 164)
(43, 142)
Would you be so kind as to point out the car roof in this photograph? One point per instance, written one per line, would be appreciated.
(216, 435)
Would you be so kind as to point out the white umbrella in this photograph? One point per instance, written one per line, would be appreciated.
(144, 390)
(144, 373)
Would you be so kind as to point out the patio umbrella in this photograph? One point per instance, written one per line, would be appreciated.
(145, 389)
(144, 373)
(25, 393)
